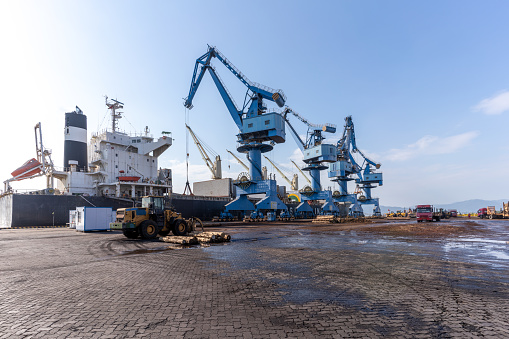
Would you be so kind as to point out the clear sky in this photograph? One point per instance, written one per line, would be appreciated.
(426, 82)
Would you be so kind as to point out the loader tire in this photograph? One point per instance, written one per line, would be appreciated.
(131, 233)
(149, 229)
(179, 228)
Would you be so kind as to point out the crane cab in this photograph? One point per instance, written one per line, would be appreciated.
(265, 127)
(320, 153)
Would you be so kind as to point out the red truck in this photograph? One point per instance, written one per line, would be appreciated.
(426, 213)
(492, 213)
(482, 213)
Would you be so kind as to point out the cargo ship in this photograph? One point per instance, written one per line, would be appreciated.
(114, 169)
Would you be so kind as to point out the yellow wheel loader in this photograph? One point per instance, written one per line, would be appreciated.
(150, 220)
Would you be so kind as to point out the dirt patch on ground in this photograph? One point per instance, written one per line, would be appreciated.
(429, 230)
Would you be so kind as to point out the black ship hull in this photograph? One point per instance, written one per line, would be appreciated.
(25, 210)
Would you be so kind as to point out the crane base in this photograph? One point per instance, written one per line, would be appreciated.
(240, 204)
(271, 202)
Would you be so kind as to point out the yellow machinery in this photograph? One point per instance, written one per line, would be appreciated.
(150, 220)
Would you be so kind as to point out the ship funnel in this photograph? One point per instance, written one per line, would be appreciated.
(75, 145)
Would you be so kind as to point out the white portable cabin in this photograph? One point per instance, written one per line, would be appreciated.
(93, 218)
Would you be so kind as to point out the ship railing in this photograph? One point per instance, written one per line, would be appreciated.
(192, 197)
(130, 134)
(68, 169)
(31, 191)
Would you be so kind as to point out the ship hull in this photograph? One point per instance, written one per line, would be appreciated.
(28, 210)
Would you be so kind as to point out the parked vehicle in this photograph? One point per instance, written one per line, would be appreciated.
(427, 213)
(482, 213)
(153, 218)
(491, 213)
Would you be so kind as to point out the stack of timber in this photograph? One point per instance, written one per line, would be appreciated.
(198, 238)
(181, 240)
(330, 219)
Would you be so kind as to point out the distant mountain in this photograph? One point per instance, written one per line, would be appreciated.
(472, 205)
(462, 206)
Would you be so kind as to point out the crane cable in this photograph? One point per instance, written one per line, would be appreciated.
(186, 119)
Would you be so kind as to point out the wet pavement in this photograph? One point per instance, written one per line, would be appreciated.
(397, 279)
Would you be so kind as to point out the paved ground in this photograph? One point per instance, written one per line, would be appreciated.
(271, 281)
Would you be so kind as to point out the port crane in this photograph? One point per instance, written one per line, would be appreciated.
(342, 170)
(213, 166)
(294, 183)
(316, 153)
(259, 129)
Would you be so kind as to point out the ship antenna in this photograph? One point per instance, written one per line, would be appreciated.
(114, 114)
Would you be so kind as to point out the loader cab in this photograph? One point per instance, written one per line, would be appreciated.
(154, 204)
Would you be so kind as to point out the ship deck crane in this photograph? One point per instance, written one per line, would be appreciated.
(316, 153)
(259, 129)
(346, 166)
(238, 160)
(42, 165)
(301, 172)
(294, 183)
(213, 166)
(264, 168)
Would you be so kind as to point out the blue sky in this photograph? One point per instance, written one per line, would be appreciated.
(426, 82)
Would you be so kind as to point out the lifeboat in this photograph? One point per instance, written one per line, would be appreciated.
(129, 178)
(28, 169)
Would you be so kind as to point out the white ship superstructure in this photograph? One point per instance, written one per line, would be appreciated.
(119, 164)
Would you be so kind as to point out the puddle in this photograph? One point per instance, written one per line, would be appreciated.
(498, 255)
(478, 250)
(502, 242)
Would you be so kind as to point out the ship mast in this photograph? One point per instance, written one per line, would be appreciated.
(114, 114)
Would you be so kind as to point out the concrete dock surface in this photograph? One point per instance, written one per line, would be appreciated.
(395, 279)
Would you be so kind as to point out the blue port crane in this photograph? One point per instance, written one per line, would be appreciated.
(316, 153)
(346, 166)
(259, 129)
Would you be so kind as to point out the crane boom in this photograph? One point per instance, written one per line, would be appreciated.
(348, 139)
(266, 92)
(295, 135)
(240, 161)
(314, 134)
(305, 177)
(258, 92)
(331, 128)
(279, 171)
(214, 168)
